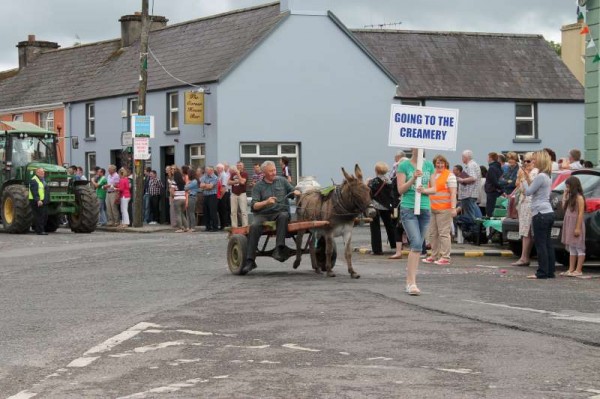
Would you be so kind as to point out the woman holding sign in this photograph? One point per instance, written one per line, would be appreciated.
(415, 225)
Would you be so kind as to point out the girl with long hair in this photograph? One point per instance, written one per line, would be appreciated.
(573, 231)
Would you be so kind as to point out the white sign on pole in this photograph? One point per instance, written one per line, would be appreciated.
(142, 126)
(423, 128)
(141, 148)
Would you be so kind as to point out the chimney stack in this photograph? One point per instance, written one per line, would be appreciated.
(131, 27)
(31, 48)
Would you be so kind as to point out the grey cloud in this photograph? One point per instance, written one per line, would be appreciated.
(64, 20)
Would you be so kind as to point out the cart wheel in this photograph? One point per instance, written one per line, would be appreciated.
(318, 257)
(236, 253)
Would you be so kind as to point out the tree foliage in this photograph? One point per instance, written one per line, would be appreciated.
(555, 46)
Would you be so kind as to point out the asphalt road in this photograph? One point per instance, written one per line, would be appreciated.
(112, 315)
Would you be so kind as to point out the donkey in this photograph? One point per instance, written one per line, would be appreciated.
(339, 207)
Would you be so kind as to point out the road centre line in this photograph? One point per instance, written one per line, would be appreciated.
(554, 315)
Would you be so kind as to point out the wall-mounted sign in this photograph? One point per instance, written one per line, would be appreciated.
(194, 108)
(142, 126)
(126, 139)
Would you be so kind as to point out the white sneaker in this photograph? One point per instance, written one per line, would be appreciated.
(152, 223)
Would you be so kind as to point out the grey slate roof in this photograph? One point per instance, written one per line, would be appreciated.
(472, 65)
(55, 76)
(198, 51)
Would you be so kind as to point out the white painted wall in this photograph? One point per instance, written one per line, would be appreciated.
(309, 83)
(486, 126)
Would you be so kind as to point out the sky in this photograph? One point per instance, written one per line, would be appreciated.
(70, 21)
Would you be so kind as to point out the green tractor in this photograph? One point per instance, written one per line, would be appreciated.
(24, 147)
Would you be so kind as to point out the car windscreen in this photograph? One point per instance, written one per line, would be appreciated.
(589, 182)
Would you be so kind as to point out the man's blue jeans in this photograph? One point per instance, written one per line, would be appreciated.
(147, 217)
(469, 207)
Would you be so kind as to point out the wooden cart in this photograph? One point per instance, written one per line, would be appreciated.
(314, 245)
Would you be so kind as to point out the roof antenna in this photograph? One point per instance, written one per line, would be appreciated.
(382, 26)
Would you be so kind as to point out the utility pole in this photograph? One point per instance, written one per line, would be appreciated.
(138, 202)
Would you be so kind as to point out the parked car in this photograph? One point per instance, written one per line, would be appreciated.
(510, 227)
(590, 181)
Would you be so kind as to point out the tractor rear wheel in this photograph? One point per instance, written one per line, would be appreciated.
(16, 211)
(86, 219)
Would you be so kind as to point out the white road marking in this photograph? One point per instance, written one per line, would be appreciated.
(268, 362)
(82, 361)
(593, 318)
(380, 358)
(220, 377)
(120, 338)
(248, 347)
(344, 353)
(459, 371)
(162, 345)
(23, 395)
(300, 348)
(153, 331)
(166, 389)
(593, 391)
(487, 266)
(195, 332)
(121, 355)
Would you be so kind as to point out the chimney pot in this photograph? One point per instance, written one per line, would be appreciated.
(31, 38)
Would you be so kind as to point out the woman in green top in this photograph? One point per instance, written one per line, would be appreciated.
(415, 225)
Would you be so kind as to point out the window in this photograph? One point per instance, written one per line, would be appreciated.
(90, 164)
(525, 121)
(132, 110)
(90, 120)
(173, 107)
(18, 118)
(46, 120)
(251, 153)
(197, 157)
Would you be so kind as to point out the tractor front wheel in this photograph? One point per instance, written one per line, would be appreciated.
(16, 211)
(86, 218)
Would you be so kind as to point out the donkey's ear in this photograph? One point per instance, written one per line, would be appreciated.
(346, 175)
(358, 172)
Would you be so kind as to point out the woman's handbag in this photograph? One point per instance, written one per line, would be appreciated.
(513, 203)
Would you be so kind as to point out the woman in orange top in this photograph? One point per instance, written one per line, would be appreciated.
(442, 195)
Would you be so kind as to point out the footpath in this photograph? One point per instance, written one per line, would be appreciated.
(360, 241)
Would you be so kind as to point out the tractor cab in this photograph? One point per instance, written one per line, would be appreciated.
(25, 147)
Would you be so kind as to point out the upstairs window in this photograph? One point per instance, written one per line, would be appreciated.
(132, 110)
(173, 107)
(46, 120)
(525, 121)
(90, 120)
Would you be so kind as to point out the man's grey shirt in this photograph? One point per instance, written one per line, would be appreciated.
(279, 189)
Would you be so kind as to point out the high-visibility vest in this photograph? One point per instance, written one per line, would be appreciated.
(41, 191)
(441, 199)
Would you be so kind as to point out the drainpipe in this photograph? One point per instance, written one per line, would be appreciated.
(69, 127)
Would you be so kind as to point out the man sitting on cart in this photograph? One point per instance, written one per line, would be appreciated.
(269, 202)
